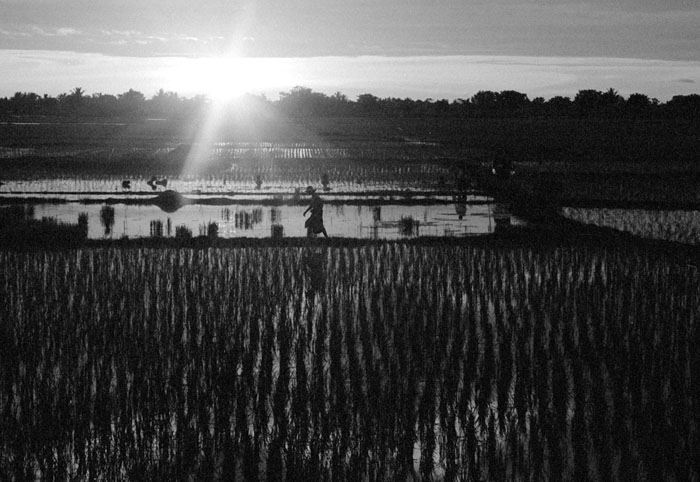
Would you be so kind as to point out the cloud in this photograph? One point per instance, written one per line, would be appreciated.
(13, 33)
(65, 31)
(52, 32)
(686, 81)
(665, 29)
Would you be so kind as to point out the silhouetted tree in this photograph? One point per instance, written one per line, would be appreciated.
(164, 104)
(638, 105)
(131, 103)
(484, 100)
(588, 101)
(304, 102)
(559, 106)
(684, 106)
(595, 103)
(103, 105)
(25, 103)
(511, 101)
(368, 104)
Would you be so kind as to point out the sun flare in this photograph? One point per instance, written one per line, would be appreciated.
(225, 79)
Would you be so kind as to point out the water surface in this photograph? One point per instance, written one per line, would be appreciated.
(251, 220)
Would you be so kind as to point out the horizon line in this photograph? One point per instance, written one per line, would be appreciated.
(414, 76)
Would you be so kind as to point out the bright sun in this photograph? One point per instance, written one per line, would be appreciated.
(225, 79)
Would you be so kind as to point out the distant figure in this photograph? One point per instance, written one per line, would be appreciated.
(126, 184)
(258, 182)
(503, 167)
(501, 215)
(314, 224)
(154, 182)
(462, 182)
(460, 205)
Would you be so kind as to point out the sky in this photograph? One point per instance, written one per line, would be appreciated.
(413, 48)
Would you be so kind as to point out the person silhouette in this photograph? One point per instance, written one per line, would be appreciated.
(460, 205)
(314, 224)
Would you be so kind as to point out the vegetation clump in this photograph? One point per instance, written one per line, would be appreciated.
(18, 228)
(210, 230)
(156, 228)
(183, 232)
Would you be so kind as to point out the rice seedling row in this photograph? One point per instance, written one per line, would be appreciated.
(371, 363)
(680, 226)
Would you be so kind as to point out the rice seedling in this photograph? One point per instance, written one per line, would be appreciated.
(183, 232)
(156, 228)
(276, 231)
(680, 226)
(377, 362)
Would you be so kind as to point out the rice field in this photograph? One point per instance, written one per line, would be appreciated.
(385, 362)
(84, 168)
(679, 226)
(223, 175)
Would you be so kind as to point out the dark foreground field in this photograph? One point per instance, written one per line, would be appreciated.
(385, 362)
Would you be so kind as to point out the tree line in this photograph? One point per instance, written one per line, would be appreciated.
(304, 102)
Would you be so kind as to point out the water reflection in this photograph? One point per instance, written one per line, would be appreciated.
(248, 219)
(360, 221)
(275, 215)
(107, 219)
(170, 201)
(377, 214)
(501, 216)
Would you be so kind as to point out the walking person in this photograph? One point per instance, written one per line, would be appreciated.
(314, 224)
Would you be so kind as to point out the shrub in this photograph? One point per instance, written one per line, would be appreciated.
(277, 231)
(183, 232)
(212, 230)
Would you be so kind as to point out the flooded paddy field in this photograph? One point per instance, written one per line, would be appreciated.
(356, 360)
(351, 221)
(256, 216)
